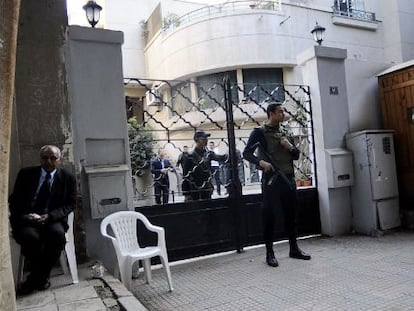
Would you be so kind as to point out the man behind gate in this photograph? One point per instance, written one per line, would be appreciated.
(276, 152)
(197, 175)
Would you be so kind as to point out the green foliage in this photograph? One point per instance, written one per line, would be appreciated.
(140, 146)
(267, 5)
(171, 20)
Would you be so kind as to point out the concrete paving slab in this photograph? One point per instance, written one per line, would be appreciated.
(346, 273)
(90, 304)
(119, 289)
(89, 294)
(131, 304)
(75, 294)
(49, 307)
(36, 300)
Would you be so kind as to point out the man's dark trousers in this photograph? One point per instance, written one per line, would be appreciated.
(275, 196)
(42, 246)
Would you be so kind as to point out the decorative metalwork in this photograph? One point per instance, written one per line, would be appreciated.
(173, 21)
(345, 9)
(175, 110)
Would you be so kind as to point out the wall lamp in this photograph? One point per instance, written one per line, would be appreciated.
(93, 12)
(318, 33)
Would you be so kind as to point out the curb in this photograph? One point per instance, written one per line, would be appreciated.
(125, 298)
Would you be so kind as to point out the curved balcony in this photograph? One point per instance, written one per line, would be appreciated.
(227, 8)
(205, 41)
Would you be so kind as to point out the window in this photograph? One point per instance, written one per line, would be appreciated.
(210, 91)
(349, 7)
(262, 84)
(352, 13)
(181, 98)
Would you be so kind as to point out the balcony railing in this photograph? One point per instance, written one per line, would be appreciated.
(226, 8)
(354, 14)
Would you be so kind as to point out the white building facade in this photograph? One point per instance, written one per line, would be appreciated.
(235, 36)
(270, 42)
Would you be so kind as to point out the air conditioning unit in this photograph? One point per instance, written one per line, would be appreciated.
(153, 97)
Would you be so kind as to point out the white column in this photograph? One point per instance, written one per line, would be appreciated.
(323, 69)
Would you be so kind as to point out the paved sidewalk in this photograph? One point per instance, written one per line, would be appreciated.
(90, 294)
(345, 273)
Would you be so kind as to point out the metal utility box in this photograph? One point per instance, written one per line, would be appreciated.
(375, 201)
(107, 190)
(339, 168)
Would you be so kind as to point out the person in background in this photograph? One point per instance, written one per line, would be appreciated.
(197, 174)
(276, 148)
(215, 167)
(180, 161)
(160, 166)
(42, 198)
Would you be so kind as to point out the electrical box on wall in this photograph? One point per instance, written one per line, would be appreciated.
(339, 168)
(107, 189)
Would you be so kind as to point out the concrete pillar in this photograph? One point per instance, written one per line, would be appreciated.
(8, 42)
(101, 146)
(323, 69)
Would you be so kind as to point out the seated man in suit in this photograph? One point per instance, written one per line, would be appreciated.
(42, 198)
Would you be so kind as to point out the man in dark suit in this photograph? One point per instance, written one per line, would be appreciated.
(160, 167)
(42, 198)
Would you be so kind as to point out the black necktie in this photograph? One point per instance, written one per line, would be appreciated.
(42, 199)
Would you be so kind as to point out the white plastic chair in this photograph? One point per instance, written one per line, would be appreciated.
(128, 251)
(67, 254)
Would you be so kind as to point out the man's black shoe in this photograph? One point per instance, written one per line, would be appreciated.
(43, 286)
(299, 254)
(271, 259)
(26, 288)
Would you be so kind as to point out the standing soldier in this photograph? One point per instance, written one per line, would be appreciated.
(276, 154)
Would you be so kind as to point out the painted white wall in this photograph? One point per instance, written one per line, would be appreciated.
(363, 97)
(398, 23)
(126, 16)
(324, 67)
(100, 137)
(249, 39)
(245, 40)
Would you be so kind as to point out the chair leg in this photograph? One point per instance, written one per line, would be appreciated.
(63, 263)
(166, 265)
(147, 269)
(20, 269)
(117, 272)
(125, 268)
(71, 256)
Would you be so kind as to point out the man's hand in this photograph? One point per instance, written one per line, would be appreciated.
(286, 143)
(32, 217)
(36, 218)
(266, 166)
(43, 218)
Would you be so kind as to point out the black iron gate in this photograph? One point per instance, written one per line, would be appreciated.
(231, 218)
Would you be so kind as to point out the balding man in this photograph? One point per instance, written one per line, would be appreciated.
(42, 198)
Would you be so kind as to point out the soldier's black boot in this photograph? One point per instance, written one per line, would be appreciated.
(270, 256)
(296, 252)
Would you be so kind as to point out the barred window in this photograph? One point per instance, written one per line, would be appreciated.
(210, 91)
(181, 98)
(263, 84)
(346, 6)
